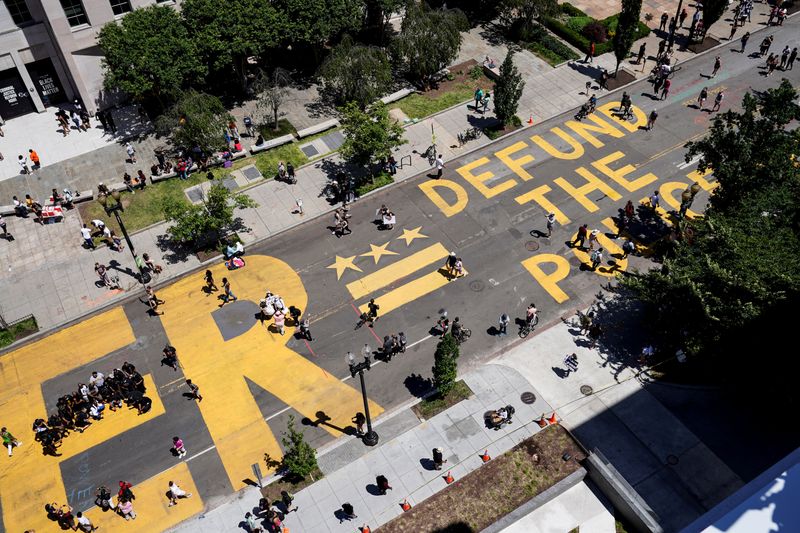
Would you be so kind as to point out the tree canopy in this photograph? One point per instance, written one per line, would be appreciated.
(521, 15)
(627, 24)
(299, 457)
(508, 90)
(315, 22)
(196, 119)
(429, 40)
(369, 135)
(356, 73)
(738, 274)
(713, 11)
(149, 55)
(445, 365)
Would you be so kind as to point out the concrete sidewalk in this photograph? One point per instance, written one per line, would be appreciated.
(675, 473)
(52, 277)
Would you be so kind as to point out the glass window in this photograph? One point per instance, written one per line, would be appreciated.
(73, 10)
(120, 7)
(19, 11)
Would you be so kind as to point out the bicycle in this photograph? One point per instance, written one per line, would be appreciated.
(465, 334)
(526, 329)
(430, 154)
(469, 135)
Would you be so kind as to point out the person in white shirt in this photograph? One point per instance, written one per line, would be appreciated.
(439, 166)
(84, 524)
(97, 379)
(176, 492)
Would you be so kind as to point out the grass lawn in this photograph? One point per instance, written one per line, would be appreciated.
(461, 88)
(143, 208)
(430, 407)
(17, 331)
(284, 128)
(496, 488)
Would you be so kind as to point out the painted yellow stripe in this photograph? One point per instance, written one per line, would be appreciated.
(151, 505)
(411, 291)
(113, 424)
(29, 479)
(396, 271)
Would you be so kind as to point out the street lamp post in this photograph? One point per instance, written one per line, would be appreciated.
(370, 438)
(114, 209)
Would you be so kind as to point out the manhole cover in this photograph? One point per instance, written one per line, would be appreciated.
(477, 286)
(586, 390)
(672, 460)
(528, 397)
(532, 246)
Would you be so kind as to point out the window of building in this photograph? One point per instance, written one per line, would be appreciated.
(75, 13)
(19, 11)
(120, 7)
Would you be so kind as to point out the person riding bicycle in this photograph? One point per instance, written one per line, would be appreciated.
(530, 314)
(592, 103)
(456, 329)
(626, 105)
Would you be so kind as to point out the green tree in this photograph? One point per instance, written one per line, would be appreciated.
(315, 22)
(508, 90)
(299, 457)
(356, 73)
(445, 366)
(627, 25)
(369, 135)
(377, 18)
(713, 11)
(520, 16)
(149, 55)
(196, 119)
(736, 275)
(429, 40)
(272, 91)
(207, 221)
(226, 32)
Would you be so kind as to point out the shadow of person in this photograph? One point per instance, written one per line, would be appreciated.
(560, 372)
(427, 464)
(373, 489)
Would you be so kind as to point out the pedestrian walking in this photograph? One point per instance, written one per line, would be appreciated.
(252, 525)
(571, 362)
(580, 238)
(228, 293)
(640, 55)
(664, 19)
(590, 53)
(194, 390)
(502, 324)
(655, 200)
(131, 151)
(792, 57)
(126, 510)
(383, 484)
(178, 447)
(84, 524)
(9, 441)
(86, 233)
(651, 120)
(629, 210)
(36, 163)
(110, 120)
(745, 38)
(439, 165)
(734, 27)
(280, 321)
(665, 90)
(23, 163)
(701, 100)
(785, 57)
(593, 238)
(551, 218)
(175, 493)
(595, 332)
(458, 269)
(478, 97)
(718, 101)
(4, 228)
(359, 420)
(765, 44)
(372, 313)
(209, 279)
(628, 247)
(682, 17)
(287, 498)
(153, 300)
(717, 65)
(348, 513)
(438, 458)
(596, 258)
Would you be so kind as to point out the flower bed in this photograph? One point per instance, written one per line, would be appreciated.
(572, 24)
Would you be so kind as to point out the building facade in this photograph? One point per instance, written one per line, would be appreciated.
(49, 53)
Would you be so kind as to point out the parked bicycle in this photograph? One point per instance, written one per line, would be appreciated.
(463, 335)
(526, 328)
(469, 135)
(430, 154)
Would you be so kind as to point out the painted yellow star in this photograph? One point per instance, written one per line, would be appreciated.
(378, 251)
(343, 263)
(410, 235)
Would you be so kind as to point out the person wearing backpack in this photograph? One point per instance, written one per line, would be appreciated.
(628, 247)
(597, 258)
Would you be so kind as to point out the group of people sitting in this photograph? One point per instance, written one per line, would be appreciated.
(385, 218)
(77, 411)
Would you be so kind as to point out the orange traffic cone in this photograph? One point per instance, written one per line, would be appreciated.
(405, 505)
(485, 457)
(365, 529)
(542, 421)
(530, 120)
(553, 420)
(449, 478)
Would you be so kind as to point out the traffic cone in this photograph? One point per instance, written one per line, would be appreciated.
(449, 477)
(542, 421)
(365, 529)
(405, 505)
(485, 457)
(553, 420)
(530, 120)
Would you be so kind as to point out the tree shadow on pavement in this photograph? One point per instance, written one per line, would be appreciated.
(175, 251)
(417, 385)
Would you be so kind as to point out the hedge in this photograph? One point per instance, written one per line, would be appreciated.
(575, 38)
